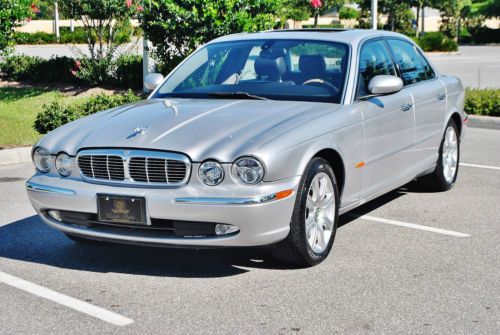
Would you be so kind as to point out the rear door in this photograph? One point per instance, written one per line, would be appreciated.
(429, 98)
(388, 123)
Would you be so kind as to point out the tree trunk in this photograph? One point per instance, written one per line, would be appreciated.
(423, 20)
(416, 21)
(316, 15)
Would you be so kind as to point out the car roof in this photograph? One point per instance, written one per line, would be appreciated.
(349, 36)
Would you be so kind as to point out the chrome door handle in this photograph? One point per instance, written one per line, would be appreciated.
(441, 96)
(406, 107)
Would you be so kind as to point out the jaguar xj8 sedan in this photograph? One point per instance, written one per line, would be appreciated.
(255, 139)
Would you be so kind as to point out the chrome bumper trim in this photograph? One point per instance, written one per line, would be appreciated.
(30, 186)
(226, 201)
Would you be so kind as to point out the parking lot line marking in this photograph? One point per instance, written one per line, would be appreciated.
(414, 226)
(78, 305)
(481, 166)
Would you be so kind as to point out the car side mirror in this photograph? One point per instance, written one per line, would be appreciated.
(385, 84)
(153, 80)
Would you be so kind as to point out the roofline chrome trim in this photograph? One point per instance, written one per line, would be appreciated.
(30, 186)
(227, 201)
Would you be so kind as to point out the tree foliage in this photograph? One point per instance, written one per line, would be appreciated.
(399, 14)
(176, 28)
(98, 18)
(11, 13)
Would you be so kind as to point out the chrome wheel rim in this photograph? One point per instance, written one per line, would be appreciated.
(320, 212)
(450, 155)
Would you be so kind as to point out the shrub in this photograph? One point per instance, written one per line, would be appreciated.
(34, 38)
(95, 71)
(128, 71)
(55, 69)
(103, 101)
(482, 102)
(436, 41)
(55, 114)
(124, 31)
(348, 13)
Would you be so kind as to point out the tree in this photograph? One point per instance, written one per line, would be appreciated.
(176, 28)
(11, 13)
(98, 18)
(398, 12)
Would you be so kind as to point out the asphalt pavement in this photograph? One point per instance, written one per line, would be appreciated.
(414, 263)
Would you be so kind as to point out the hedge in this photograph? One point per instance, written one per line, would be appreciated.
(78, 36)
(436, 41)
(126, 71)
(482, 101)
(56, 114)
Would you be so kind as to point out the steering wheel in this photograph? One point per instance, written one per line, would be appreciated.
(322, 82)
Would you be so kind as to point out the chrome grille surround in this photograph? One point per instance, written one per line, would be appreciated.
(134, 167)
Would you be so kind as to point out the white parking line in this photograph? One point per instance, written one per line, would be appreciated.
(412, 225)
(481, 166)
(78, 305)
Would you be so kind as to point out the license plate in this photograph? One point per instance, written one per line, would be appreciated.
(121, 209)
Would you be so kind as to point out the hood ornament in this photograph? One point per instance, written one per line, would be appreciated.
(138, 131)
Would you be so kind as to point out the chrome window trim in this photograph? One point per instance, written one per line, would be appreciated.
(126, 155)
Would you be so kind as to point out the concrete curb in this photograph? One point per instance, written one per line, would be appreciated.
(15, 156)
(488, 122)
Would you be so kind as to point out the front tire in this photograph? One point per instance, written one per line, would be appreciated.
(445, 175)
(314, 220)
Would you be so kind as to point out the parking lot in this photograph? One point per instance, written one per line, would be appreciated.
(406, 263)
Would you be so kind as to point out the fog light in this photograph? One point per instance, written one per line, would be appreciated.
(224, 229)
(56, 215)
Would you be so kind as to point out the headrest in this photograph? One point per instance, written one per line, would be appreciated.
(271, 64)
(312, 64)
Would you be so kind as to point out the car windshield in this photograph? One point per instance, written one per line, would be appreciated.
(301, 70)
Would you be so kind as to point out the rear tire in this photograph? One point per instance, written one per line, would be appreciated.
(314, 220)
(445, 175)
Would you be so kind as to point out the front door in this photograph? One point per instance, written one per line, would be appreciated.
(388, 124)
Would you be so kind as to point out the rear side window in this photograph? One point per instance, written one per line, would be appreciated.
(374, 60)
(410, 62)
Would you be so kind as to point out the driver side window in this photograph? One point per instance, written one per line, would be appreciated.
(374, 60)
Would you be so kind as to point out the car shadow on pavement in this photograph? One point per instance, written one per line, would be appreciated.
(30, 240)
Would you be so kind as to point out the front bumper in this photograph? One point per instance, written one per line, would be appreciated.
(261, 217)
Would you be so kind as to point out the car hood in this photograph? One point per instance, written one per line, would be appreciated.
(201, 128)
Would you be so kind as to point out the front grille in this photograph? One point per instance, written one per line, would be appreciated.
(138, 167)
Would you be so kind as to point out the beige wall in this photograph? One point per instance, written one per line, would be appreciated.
(48, 25)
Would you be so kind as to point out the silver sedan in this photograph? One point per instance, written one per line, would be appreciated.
(255, 139)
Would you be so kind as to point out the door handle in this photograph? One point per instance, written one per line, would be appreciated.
(406, 107)
(441, 96)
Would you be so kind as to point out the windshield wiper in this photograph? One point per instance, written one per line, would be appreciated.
(236, 95)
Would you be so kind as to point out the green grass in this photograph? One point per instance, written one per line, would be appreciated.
(18, 110)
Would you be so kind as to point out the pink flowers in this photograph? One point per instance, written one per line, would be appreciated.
(128, 3)
(316, 3)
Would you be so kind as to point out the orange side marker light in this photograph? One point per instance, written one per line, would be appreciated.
(283, 194)
(360, 164)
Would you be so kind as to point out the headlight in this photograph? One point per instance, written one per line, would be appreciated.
(211, 173)
(64, 164)
(248, 170)
(42, 159)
